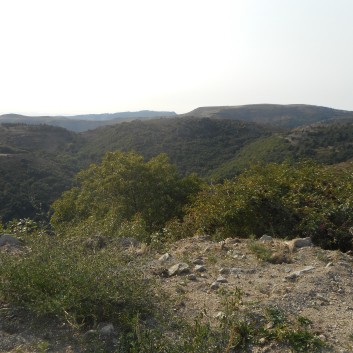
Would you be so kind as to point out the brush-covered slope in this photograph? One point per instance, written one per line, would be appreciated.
(36, 166)
(193, 144)
(328, 143)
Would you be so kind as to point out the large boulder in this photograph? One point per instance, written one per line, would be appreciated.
(9, 240)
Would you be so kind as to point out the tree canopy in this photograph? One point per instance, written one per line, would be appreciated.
(124, 188)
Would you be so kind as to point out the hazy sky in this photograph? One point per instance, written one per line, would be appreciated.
(97, 56)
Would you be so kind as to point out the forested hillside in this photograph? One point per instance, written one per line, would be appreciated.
(36, 165)
(193, 144)
(38, 162)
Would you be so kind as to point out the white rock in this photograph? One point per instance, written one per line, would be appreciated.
(221, 279)
(266, 238)
(165, 257)
(215, 285)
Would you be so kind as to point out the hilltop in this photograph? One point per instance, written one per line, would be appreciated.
(284, 116)
(308, 286)
(79, 123)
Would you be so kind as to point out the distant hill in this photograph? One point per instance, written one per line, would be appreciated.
(283, 116)
(79, 123)
(193, 144)
(124, 116)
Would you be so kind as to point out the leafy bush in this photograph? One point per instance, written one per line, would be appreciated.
(304, 199)
(122, 188)
(70, 280)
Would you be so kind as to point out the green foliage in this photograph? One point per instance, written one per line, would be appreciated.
(36, 166)
(260, 250)
(124, 193)
(274, 148)
(304, 199)
(69, 280)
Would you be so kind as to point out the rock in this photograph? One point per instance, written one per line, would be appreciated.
(191, 277)
(90, 334)
(220, 315)
(236, 270)
(294, 275)
(299, 243)
(221, 279)
(224, 271)
(106, 330)
(178, 269)
(307, 269)
(232, 241)
(198, 261)
(215, 285)
(127, 242)
(266, 238)
(9, 240)
(200, 268)
(165, 257)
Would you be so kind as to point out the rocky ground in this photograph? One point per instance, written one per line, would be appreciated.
(308, 282)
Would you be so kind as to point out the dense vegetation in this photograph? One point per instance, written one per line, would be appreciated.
(194, 144)
(283, 200)
(122, 192)
(36, 165)
(39, 162)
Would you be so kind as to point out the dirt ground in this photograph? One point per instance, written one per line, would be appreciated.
(309, 282)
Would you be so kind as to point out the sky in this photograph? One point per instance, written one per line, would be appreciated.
(66, 57)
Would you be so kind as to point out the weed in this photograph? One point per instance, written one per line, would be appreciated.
(260, 250)
(61, 278)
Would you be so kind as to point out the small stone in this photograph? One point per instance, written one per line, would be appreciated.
(90, 334)
(220, 315)
(200, 268)
(236, 271)
(232, 241)
(266, 238)
(165, 257)
(215, 285)
(106, 330)
(343, 263)
(262, 341)
(198, 261)
(307, 269)
(221, 279)
(178, 269)
(224, 271)
(191, 277)
(292, 277)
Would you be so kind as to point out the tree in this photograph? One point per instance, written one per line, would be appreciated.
(121, 189)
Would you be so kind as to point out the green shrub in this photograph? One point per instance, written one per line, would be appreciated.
(304, 199)
(69, 280)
